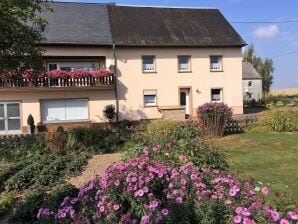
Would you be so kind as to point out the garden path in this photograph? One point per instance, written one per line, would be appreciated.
(96, 166)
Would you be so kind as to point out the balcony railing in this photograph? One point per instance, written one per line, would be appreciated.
(47, 82)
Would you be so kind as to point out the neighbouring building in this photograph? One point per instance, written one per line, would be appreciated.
(251, 83)
(165, 62)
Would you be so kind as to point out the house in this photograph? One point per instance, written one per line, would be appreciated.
(251, 82)
(165, 62)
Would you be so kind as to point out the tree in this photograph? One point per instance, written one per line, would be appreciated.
(264, 67)
(19, 37)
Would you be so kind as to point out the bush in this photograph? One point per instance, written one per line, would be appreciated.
(162, 131)
(213, 118)
(28, 207)
(202, 155)
(6, 201)
(281, 120)
(55, 141)
(109, 112)
(146, 191)
(96, 138)
(30, 120)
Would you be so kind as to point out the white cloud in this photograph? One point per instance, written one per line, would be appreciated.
(264, 32)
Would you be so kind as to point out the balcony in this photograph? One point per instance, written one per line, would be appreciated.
(57, 83)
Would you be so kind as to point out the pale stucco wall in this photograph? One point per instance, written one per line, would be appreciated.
(132, 81)
(255, 89)
(167, 79)
(30, 101)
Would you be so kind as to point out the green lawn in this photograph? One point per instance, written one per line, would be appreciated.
(267, 157)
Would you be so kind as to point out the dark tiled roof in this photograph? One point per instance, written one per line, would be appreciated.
(249, 72)
(77, 23)
(151, 26)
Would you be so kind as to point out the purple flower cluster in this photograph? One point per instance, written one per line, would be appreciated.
(145, 191)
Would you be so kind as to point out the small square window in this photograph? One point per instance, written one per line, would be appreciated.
(216, 63)
(250, 83)
(216, 95)
(184, 63)
(53, 66)
(148, 64)
(150, 98)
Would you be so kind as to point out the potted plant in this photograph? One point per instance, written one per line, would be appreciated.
(30, 123)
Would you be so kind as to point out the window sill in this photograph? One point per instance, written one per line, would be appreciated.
(185, 71)
(216, 70)
(149, 72)
(66, 122)
(148, 106)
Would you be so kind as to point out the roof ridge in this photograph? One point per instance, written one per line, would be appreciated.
(165, 6)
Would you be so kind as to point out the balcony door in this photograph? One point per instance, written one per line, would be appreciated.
(10, 120)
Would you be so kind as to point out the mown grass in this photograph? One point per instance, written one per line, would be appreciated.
(268, 157)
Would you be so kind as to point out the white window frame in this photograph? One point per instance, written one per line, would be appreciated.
(154, 64)
(5, 118)
(46, 121)
(150, 92)
(220, 63)
(58, 64)
(220, 94)
(188, 57)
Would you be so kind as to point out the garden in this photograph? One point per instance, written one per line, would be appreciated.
(171, 172)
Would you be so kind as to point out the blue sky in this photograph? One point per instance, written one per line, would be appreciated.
(270, 40)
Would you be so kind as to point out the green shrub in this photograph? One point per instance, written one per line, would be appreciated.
(96, 138)
(55, 141)
(6, 201)
(162, 131)
(109, 112)
(76, 165)
(177, 153)
(281, 120)
(27, 208)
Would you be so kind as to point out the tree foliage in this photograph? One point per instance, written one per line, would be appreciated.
(19, 36)
(265, 67)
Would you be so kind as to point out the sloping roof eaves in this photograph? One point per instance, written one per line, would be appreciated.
(171, 27)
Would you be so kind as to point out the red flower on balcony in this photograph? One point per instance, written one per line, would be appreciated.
(101, 73)
(58, 74)
(79, 73)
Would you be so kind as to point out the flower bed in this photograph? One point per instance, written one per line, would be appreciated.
(147, 191)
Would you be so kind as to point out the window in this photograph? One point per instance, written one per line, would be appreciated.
(150, 98)
(216, 63)
(64, 110)
(148, 63)
(250, 83)
(71, 66)
(184, 63)
(216, 95)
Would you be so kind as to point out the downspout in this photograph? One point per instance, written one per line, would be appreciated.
(115, 88)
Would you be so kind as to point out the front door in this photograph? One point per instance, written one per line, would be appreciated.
(10, 120)
(184, 99)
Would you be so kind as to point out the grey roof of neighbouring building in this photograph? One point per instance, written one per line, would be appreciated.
(249, 72)
(77, 23)
(104, 24)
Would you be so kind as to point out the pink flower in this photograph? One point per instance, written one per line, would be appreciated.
(117, 183)
(179, 200)
(182, 158)
(284, 221)
(238, 210)
(245, 212)
(265, 191)
(145, 151)
(275, 215)
(293, 215)
(102, 209)
(116, 207)
(237, 219)
(145, 219)
(165, 212)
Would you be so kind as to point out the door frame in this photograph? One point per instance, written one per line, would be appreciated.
(6, 131)
(189, 98)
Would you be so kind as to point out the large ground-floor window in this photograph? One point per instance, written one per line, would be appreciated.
(65, 110)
